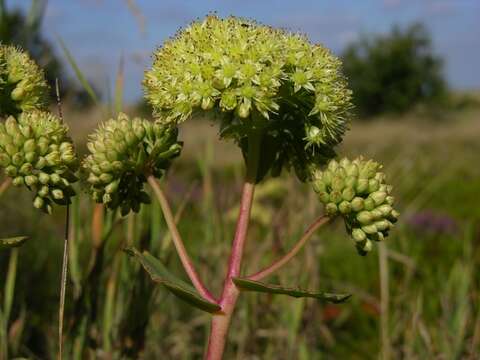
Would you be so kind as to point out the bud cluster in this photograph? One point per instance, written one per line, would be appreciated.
(123, 152)
(22, 83)
(357, 191)
(244, 70)
(37, 153)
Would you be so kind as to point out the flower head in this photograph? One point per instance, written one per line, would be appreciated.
(36, 152)
(254, 76)
(22, 83)
(123, 152)
(357, 191)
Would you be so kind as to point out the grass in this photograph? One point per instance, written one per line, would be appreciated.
(433, 293)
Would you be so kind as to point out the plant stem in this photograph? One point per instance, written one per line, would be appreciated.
(221, 320)
(8, 296)
(384, 300)
(178, 242)
(321, 220)
(5, 185)
(63, 285)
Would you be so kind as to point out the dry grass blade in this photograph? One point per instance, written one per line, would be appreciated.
(80, 76)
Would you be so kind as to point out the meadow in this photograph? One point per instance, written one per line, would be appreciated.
(414, 297)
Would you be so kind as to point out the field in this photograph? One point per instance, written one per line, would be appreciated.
(415, 297)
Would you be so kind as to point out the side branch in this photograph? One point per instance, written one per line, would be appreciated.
(178, 242)
(293, 251)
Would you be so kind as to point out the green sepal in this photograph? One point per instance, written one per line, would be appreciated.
(159, 274)
(250, 285)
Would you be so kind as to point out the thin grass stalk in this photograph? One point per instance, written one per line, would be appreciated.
(8, 297)
(63, 285)
(384, 301)
(63, 281)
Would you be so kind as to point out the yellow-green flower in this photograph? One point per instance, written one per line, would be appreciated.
(123, 152)
(36, 152)
(356, 190)
(254, 77)
(22, 83)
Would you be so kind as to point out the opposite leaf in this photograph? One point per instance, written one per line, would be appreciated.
(159, 273)
(12, 242)
(250, 285)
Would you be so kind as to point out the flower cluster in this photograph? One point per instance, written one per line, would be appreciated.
(242, 70)
(123, 152)
(357, 191)
(22, 83)
(36, 152)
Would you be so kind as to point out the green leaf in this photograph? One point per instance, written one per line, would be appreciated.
(159, 273)
(250, 285)
(12, 242)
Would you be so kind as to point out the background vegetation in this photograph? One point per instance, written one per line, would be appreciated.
(416, 298)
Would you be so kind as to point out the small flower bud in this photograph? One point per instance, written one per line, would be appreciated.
(362, 186)
(364, 217)
(344, 207)
(373, 185)
(44, 191)
(348, 194)
(331, 209)
(57, 194)
(357, 204)
(369, 204)
(358, 235)
(38, 202)
(369, 229)
(336, 197)
(31, 180)
(18, 181)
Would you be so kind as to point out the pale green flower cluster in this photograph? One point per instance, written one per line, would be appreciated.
(253, 76)
(357, 191)
(22, 83)
(123, 152)
(37, 153)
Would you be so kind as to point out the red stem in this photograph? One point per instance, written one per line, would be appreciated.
(221, 320)
(293, 251)
(178, 242)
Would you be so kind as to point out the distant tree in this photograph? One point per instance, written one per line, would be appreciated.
(16, 28)
(393, 72)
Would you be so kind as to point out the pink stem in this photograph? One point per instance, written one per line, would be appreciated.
(178, 242)
(293, 251)
(221, 320)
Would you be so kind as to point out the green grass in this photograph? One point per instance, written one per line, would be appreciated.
(433, 310)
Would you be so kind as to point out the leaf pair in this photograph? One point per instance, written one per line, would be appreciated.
(160, 274)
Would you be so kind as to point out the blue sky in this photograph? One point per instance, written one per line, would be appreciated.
(99, 32)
